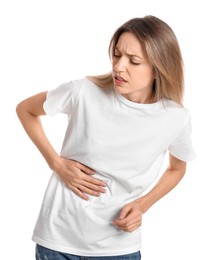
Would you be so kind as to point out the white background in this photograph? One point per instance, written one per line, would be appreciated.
(45, 43)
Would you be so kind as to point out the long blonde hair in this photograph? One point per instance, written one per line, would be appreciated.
(161, 47)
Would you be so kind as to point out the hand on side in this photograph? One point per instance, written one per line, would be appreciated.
(79, 178)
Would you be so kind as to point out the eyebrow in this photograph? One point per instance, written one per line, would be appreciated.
(129, 54)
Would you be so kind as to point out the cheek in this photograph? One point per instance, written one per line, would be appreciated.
(143, 75)
(142, 79)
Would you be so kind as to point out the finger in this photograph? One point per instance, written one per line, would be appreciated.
(131, 224)
(124, 212)
(89, 191)
(132, 227)
(131, 218)
(85, 169)
(78, 192)
(124, 217)
(92, 186)
(87, 187)
(94, 181)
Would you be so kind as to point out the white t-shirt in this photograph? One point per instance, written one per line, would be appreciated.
(125, 143)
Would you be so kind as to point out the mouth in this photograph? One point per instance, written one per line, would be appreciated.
(118, 79)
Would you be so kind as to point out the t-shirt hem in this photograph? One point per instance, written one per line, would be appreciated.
(81, 252)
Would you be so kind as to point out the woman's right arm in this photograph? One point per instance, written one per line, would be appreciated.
(76, 176)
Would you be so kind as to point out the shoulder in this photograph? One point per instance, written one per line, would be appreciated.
(73, 87)
(90, 88)
(83, 83)
(172, 108)
(82, 87)
(177, 116)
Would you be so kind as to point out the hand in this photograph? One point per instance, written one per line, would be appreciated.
(130, 217)
(78, 178)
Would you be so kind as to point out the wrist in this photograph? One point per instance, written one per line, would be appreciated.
(54, 162)
(144, 204)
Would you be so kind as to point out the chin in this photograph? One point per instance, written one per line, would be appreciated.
(119, 89)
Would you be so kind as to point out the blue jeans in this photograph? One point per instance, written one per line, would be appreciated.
(43, 253)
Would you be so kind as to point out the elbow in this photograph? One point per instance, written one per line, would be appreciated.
(19, 109)
(22, 110)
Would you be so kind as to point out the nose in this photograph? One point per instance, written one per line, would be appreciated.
(120, 64)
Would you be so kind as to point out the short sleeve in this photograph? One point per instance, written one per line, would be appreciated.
(63, 98)
(182, 147)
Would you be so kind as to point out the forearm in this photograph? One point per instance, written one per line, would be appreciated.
(33, 127)
(167, 182)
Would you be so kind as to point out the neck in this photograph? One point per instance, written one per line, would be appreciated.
(143, 100)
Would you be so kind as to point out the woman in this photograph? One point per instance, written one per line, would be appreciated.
(120, 127)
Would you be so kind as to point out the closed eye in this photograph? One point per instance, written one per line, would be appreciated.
(134, 63)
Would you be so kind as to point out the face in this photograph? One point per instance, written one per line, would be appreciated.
(132, 73)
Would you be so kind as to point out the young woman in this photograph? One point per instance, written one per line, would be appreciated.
(120, 126)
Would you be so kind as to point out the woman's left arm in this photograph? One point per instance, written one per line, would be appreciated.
(130, 217)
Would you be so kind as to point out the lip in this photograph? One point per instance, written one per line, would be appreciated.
(118, 79)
